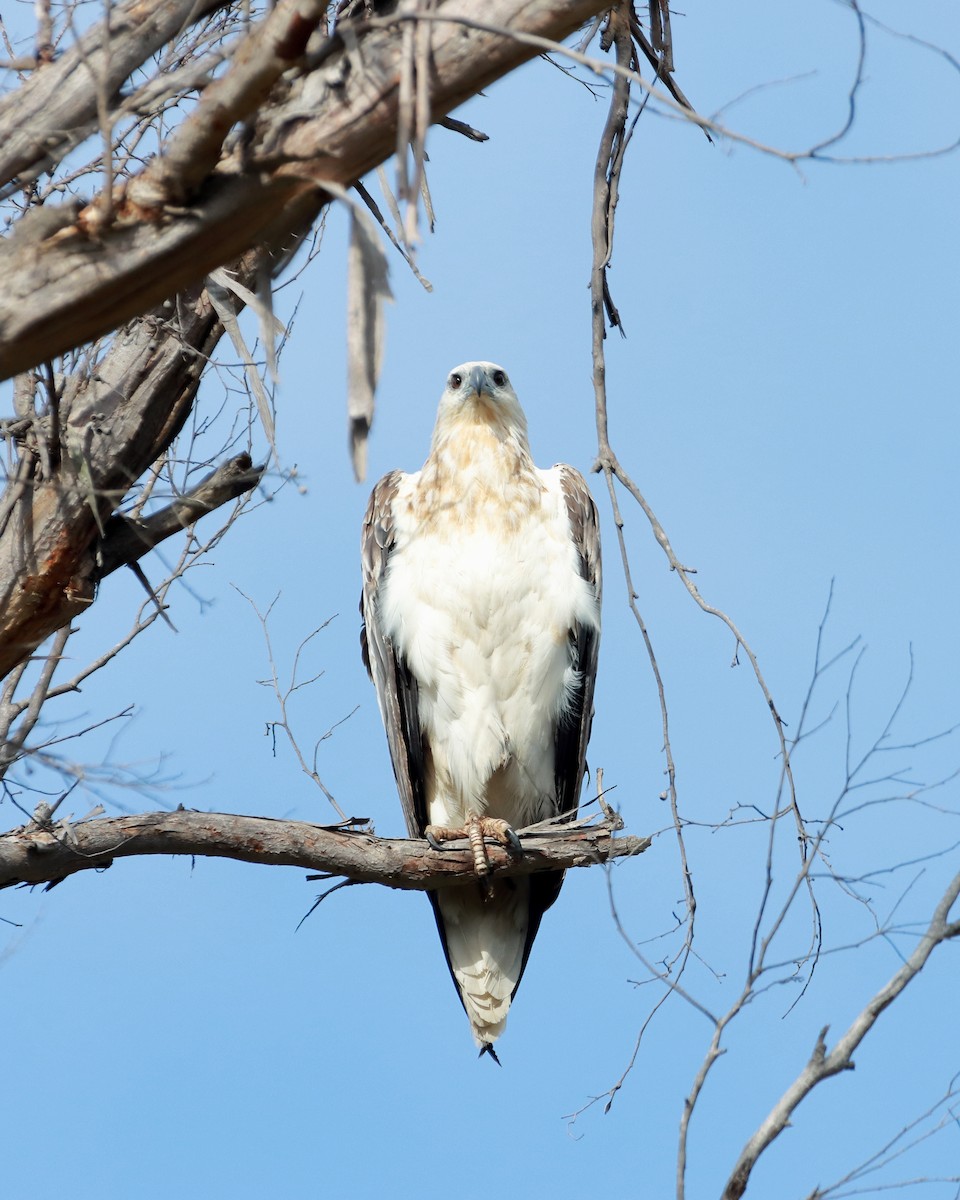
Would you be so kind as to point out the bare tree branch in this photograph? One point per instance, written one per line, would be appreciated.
(57, 108)
(823, 1063)
(126, 539)
(105, 429)
(607, 170)
(46, 852)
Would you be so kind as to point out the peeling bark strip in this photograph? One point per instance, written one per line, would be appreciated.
(45, 852)
(335, 122)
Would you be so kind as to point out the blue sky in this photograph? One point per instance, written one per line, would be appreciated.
(786, 398)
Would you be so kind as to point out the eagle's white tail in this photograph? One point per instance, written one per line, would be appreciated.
(485, 941)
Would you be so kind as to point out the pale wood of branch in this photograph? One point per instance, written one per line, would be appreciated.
(41, 852)
(193, 150)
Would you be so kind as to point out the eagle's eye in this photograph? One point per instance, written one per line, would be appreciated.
(499, 378)
(455, 381)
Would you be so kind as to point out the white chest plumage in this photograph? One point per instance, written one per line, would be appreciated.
(480, 595)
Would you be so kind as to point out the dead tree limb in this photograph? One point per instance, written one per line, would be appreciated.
(57, 107)
(112, 423)
(125, 539)
(47, 852)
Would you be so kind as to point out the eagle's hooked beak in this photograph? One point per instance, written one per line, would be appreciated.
(478, 381)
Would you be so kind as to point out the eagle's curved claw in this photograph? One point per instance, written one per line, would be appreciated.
(515, 844)
(434, 842)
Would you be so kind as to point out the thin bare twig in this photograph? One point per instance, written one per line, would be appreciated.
(681, 107)
(283, 695)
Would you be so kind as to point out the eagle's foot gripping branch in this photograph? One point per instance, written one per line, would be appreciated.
(475, 830)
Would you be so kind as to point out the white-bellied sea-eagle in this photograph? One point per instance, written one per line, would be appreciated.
(481, 622)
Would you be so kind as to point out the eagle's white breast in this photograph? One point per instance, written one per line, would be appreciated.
(482, 590)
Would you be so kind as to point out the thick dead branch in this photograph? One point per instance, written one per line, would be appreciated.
(193, 151)
(126, 540)
(86, 286)
(333, 124)
(45, 852)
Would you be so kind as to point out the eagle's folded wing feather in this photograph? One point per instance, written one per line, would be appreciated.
(395, 685)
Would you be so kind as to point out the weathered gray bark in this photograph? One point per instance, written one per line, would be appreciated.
(44, 852)
(127, 539)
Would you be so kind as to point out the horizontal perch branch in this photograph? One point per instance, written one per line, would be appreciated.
(46, 852)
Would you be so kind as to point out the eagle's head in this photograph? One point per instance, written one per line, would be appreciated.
(481, 392)
(476, 379)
